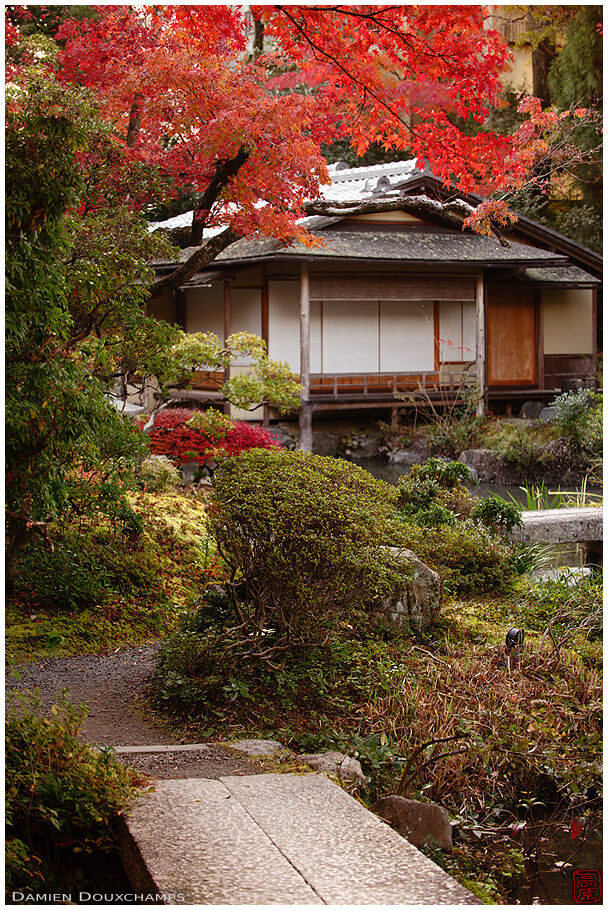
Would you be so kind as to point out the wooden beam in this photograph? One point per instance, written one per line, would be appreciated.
(227, 332)
(265, 335)
(480, 337)
(540, 339)
(305, 407)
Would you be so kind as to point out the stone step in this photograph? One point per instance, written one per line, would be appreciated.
(273, 839)
(571, 525)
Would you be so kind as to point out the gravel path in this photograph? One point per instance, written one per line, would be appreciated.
(112, 686)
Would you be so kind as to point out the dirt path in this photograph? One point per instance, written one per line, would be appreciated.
(112, 687)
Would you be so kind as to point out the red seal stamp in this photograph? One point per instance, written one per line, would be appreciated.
(587, 886)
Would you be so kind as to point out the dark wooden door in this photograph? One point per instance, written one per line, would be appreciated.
(512, 337)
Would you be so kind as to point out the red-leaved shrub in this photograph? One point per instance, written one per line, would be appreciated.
(171, 437)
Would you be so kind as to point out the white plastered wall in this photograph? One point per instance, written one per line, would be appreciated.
(284, 325)
(205, 309)
(567, 321)
(456, 331)
(406, 336)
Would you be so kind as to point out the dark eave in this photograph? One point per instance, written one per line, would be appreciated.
(560, 277)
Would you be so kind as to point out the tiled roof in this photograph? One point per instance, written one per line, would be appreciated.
(408, 246)
(347, 184)
(566, 276)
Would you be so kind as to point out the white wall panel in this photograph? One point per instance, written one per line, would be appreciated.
(450, 331)
(406, 336)
(245, 313)
(284, 325)
(350, 336)
(456, 331)
(469, 343)
(205, 309)
(568, 321)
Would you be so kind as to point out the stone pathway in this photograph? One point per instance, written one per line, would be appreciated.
(274, 839)
(112, 686)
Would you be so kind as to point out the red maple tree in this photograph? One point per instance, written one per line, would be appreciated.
(235, 104)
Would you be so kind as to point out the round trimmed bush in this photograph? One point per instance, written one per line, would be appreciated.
(306, 535)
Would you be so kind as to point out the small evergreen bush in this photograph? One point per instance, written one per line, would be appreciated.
(158, 474)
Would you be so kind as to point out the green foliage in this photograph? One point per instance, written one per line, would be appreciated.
(425, 483)
(524, 451)
(578, 421)
(306, 535)
(467, 556)
(61, 796)
(211, 422)
(454, 424)
(452, 532)
(158, 474)
(66, 278)
(86, 568)
(497, 514)
(110, 584)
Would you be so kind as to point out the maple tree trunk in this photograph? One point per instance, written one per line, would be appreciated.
(225, 170)
(134, 123)
(199, 259)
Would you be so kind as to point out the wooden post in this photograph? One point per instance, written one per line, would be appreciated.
(265, 337)
(305, 406)
(227, 332)
(480, 337)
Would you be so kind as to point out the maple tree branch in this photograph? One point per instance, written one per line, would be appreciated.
(200, 258)
(454, 210)
(336, 62)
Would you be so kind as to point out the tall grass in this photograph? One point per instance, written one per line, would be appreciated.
(538, 496)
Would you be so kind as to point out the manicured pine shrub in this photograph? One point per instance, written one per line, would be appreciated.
(306, 536)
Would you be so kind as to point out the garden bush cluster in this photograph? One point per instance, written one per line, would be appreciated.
(61, 797)
(184, 435)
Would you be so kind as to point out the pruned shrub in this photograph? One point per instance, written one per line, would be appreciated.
(468, 557)
(158, 474)
(183, 435)
(305, 536)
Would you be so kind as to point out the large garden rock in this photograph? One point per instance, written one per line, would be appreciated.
(362, 445)
(548, 414)
(416, 603)
(530, 410)
(260, 748)
(324, 443)
(418, 822)
(346, 769)
(405, 457)
(489, 466)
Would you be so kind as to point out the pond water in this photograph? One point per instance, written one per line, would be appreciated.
(558, 555)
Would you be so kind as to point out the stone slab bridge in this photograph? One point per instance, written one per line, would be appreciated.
(273, 839)
(575, 525)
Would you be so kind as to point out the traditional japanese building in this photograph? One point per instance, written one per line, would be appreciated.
(399, 299)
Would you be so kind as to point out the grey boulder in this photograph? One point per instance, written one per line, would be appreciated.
(416, 602)
(418, 822)
(346, 769)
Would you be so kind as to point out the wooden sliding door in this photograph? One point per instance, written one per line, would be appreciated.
(512, 336)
